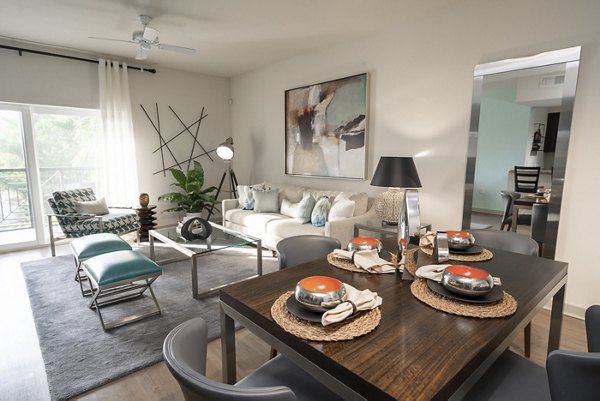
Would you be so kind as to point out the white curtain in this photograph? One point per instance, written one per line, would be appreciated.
(120, 171)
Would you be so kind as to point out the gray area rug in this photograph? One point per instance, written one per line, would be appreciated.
(80, 356)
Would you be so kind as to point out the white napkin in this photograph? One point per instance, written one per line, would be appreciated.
(431, 272)
(426, 240)
(366, 260)
(434, 272)
(362, 300)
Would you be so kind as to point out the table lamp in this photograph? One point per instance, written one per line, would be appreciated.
(396, 173)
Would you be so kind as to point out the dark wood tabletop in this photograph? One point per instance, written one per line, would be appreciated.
(417, 352)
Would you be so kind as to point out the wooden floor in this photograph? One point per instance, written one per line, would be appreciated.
(22, 369)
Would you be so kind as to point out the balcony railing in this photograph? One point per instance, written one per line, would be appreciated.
(15, 207)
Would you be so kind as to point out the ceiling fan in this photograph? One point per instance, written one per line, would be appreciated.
(147, 38)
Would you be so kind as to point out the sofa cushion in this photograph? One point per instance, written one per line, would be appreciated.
(292, 193)
(342, 208)
(247, 218)
(361, 200)
(301, 210)
(318, 218)
(284, 228)
(266, 201)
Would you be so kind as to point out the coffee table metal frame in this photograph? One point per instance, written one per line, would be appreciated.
(194, 249)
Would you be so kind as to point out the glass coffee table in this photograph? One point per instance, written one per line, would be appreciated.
(220, 238)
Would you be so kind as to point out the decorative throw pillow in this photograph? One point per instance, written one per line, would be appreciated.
(245, 195)
(361, 200)
(301, 210)
(266, 201)
(97, 207)
(341, 209)
(319, 214)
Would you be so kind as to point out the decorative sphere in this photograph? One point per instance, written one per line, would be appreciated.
(144, 199)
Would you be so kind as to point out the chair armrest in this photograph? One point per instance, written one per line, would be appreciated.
(74, 216)
(343, 229)
(228, 204)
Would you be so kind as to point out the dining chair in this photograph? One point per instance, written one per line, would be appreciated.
(568, 375)
(184, 351)
(539, 221)
(300, 249)
(512, 242)
(527, 179)
(508, 198)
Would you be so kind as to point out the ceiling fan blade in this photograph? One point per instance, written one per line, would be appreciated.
(142, 54)
(150, 34)
(111, 39)
(178, 49)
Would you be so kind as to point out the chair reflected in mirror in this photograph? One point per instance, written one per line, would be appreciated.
(527, 179)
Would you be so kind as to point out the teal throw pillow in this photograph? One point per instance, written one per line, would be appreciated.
(319, 214)
(266, 201)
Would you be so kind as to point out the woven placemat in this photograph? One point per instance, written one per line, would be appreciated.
(346, 264)
(505, 307)
(356, 327)
(486, 254)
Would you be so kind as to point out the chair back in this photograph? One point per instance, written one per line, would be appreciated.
(592, 328)
(65, 200)
(539, 221)
(574, 375)
(506, 240)
(184, 350)
(293, 251)
(508, 197)
(526, 179)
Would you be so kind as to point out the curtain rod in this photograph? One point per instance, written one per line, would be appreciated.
(21, 50)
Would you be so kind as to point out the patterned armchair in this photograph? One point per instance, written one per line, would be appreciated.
(74, 225)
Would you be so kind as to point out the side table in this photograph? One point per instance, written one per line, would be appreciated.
(147, 220)
(387, 231)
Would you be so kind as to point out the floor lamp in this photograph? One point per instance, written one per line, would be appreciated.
(225, 151)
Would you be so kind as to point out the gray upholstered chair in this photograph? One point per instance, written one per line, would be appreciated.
(513, 242)
(184, 350)
(300, 249)
(539, 222)
(508, 198)
(568, 375)
(75, 225)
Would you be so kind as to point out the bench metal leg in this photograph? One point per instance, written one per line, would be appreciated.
(119, 292)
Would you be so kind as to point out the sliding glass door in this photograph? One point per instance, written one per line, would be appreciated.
(43, 149)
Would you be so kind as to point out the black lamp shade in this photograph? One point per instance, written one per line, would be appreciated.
(399, 172)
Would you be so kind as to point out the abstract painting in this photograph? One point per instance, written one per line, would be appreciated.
(326, 127)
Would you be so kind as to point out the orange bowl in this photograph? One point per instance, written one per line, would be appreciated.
(466, 280)
(320, 293)
(364, 244)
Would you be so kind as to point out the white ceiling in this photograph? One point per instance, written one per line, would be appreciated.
(231, 36)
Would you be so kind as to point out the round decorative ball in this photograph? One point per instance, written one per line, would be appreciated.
(144, 200)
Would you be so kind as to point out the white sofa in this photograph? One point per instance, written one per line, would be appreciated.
(273, 227)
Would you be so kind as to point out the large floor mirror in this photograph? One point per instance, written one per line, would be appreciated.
(520, 116)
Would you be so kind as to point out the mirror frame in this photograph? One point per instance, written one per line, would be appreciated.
(570, 57)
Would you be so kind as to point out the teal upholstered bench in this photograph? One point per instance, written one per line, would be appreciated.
(118, 276)
(94, 245)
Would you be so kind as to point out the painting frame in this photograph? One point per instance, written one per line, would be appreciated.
(326, 128)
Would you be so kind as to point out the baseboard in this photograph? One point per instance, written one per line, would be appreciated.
(576, 312)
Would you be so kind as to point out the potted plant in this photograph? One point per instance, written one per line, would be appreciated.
(193, 199)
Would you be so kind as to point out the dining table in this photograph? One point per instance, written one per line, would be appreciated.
(416, 352)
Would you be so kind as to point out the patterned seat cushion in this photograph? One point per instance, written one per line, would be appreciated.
(65, 200)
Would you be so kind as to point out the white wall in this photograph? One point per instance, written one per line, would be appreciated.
(420, 99)
(38, 79)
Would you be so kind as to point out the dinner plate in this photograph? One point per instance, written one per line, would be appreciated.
(296, 309)
(495, 295)
(300, 311)
(472, 250)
